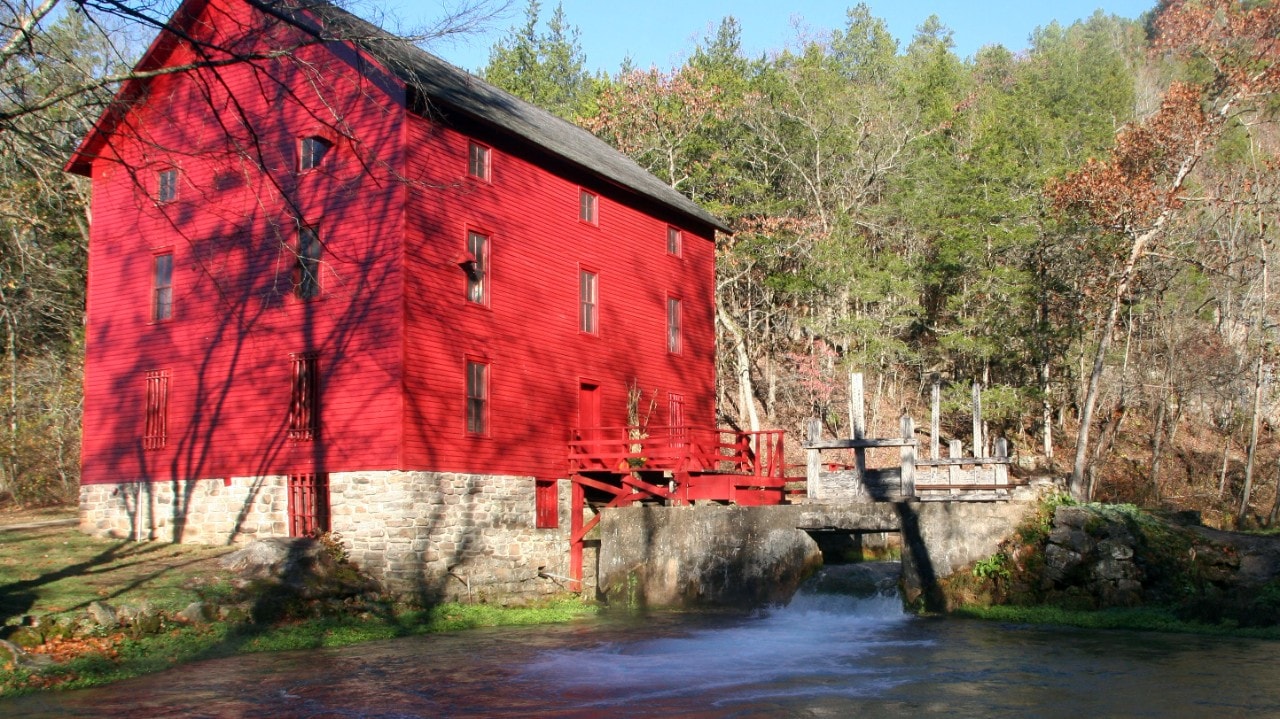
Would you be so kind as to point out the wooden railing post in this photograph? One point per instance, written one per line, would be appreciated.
(935, 417)
(978, 444)
(813, 483)
(1002, 470)
(578, 506)
(908, 456)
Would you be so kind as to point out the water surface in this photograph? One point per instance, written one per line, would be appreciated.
(822, 656)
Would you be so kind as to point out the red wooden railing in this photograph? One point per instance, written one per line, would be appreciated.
(697, 463)
(677, 449)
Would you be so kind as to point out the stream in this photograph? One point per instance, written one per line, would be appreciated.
(824, 655)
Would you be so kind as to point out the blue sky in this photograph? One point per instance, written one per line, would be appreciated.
(662, 33)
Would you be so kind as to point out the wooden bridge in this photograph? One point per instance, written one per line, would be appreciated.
(621, 466)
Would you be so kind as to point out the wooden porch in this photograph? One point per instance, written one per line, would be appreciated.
(619, 466)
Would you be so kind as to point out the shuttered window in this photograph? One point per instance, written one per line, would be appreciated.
(304, 397)
(477, 398)
(306, 273)
(167, 186)
(587, 302)
(477, 268)
(312, 151)
(478, 161)
(308, 504)
(156, 424)
(675, 341)
(675, 242)
(162, 287)
(587, 207)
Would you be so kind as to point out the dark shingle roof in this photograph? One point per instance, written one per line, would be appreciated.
(460, 91)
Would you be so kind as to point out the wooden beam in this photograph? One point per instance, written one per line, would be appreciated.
(860, 443)
(949, 461)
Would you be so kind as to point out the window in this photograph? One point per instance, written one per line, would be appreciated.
(308, 504)
(477, 267)
(306, 273)
(167, 186)
(587, 207)
(547, 504)
(478, 161)
(587, 302)
(477, 398)
(674, 340)
(674, 241)
(311, 152)
(304, 397)
(162, 287)
(155, 427)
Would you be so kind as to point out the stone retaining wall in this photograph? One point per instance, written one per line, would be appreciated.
(438, 535)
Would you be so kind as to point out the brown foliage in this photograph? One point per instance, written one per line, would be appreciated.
(1142, 179)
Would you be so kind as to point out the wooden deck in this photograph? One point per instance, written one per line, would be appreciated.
(619, 466)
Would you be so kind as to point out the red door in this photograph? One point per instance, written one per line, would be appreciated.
(675, 419)
(589, 425)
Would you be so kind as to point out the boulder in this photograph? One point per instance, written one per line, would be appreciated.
(103, 615)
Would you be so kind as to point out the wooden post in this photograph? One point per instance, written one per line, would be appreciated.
(935, 419)
(857, 406)
(858, 423)
(577, 506)
(1002, 470)
(908, 457)
(977, 420)
(813, 483)
(955, 450)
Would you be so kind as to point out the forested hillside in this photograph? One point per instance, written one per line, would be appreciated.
(1105, 199)
(1083, 228)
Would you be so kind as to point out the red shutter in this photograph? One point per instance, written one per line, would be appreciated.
(155, 430)
(308, 504)
(548, 504)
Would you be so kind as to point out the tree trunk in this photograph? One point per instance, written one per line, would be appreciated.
(1253, 443)
(1157, 444)
(1046, 410)
(1275, 504)
(1226, 456)
(745, 388)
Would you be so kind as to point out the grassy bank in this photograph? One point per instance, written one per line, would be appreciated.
(119, 657)
(1155, 619)
(52, 574)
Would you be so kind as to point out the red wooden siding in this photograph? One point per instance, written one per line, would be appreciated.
(395, 209)
(232, 230)
(531, 330)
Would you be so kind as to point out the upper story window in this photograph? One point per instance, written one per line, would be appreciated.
(167, 186)
(588, 302)
(162, 286)
(156, 422)
(675, 242)
(306, 273)
(675, 340)
(477, 398)
(304, 396)
(477, 268)
(311, 152)
(478, 161)
(587, 202)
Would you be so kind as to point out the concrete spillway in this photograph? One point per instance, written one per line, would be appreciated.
(734, 556)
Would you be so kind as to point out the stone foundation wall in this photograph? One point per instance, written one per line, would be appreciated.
(437, 535)
(455, 536)
(206, 511)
